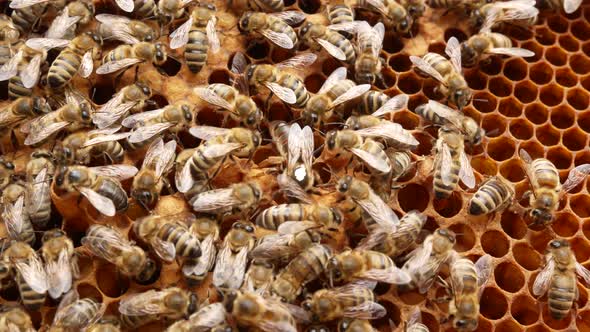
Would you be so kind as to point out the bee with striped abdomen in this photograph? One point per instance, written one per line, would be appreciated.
(61, 263)
(495, 194)
(23, 70)
(21, 110)
(84, 147)
(206, 229)
(15, 319)
(125, 56)
(351, 265)
(517, 12)
(368, 64)
(73, 16)
(318, 36)
(124, 29)
(238, 103)
(232, 259)
(259, 277)
(130, 99)
(395, 15)
(148, 125)
(74, 313)
(14, 213)
(208, 317)
(276, 27)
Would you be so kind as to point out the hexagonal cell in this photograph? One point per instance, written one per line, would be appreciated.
(484, 166)
(538, 328)
(493, 124)
(258, 49)
(329, 65)
(278, 111)
(525, 91)
(425, 147)
(314, 82)
(491, 65)
(412, 297)
(569, 43)
(509, 277)
(510, 107)
(413, 197)
(580, 204)
(495, 304)
(534, 149)
(525, 310)
(515, 69)
(565, 77)
(526, 257)
(400, 63)
(586, 229)
(563, 117)
(583, 320)
(508, 325)
(586, 48)
(578, 99)
(540, 240)
(409, 83)
(521, 129)
(580, 64)
(393, 315)
(547, 135)
(476, 79)
(557, 23)
(501, 148)
(495, 243)
(534, 47)
(484, 102)
(392, 43)
(110, 282)
(430, 321)
(574, 139)
(87, 290)
(544, 36)
(560, 157)
(465, 237)
(581, 249)
(565, 224)
(551, 95)
(500, 86)
(407, 119)
(512, 170)
(450, 206)
(101, 92)
(541, 73)
(580, 30)
(584, 121)
(556, 56)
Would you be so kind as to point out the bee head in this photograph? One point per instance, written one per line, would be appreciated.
(52, 234)
(144, 196)
(559, 243)
(466, 324)
(344, 184)
(405, 24)
(160, 54)
(461, 97)
(468, 54)
(193, 304)
(186, 112)
(353, 123)
(541, 216)
(331, 139)
(244, 23)
(61, 175)
(310, 118)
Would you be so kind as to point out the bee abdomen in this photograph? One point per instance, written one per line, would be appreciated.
(488, 198)
(372, 101)
(282, 27)
(136, 321)
(340, 14)
(442, 190)
(32, 300)
(298, 87)
(144, 8)
(16, 89)
(343, 44)
(63, 69)
(274, 216)
(187, 245)
(195, 51)
(111, 189)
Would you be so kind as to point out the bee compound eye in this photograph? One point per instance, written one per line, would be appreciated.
(249, 229)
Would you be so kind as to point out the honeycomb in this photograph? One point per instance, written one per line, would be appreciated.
(539, 104)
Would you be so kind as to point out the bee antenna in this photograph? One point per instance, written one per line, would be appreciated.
(335, 123)
(479, 99)
(319, 131)
(318, 149)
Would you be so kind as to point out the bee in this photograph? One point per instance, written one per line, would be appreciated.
(14, 214)
(394, 14)
(447, 72)
(495, 194)
(74, 15)
(168, 236)
(142, 308)
(124, 56)
(77, 57)
(272, 217)
(377, 105)
(371, 101)
(61, 262)
(442, 115)
(26, 17)
(520, 12)
(75, 114)
(253, 310)
(276, 27)
(304, 268)
(132, 98)
(335, 91)
(9, 37)
(6, 172)
(82, 147)
(340, 14)
(21, 261)
(232, 258)
(208, 317)
(558, 278)
(547, 191)
(450, 163)
(21, 110)
(168, 10)
(414, 324)
(348, 301)
(424, 263)
(368, 65)
(147, 125)
(240, 106)
(110, 245)
(15, 319)
(23, 70)
(569, 6)
(100, 185)
(74, 313)
(467, 284)
(351, 265)
(318, 36)
(124, 29)
(151, 178)
(199, 35)
(415, 8)
(259, 277)
(145, 8)
(206, 229)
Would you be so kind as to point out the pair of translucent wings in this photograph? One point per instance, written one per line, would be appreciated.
(446, 162)
(160, 157)
(204, 319)
(54, 277)
(282, 39)
(378, 236)
(126, 5)
(453, 50)
(113, 110)
(230, 266)
(449, 116)
(337, 76)
(142, 130)
(151, 302)
(216, 200)
(482, 270)
(421, 263)
(120, 28)
(349, 294)
(370, 39)
(506, 11)
(179, 37)
(543, 280)
(207, 259)
(101, 240)
(45, 44)
(378, 210)
(281, 246)
(71, 309)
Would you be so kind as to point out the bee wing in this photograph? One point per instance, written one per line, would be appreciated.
(212, 37)
(110, 19)
(100, 244)
(59, 274)
(373, 239)
(543, 279)
(332, 49)
(143, 133)
(371, 160)
(61, 24)
(307, 146)
(208, 95)
(365, 310)
(298, 61)
(427, 68)
(268, 325)
(206, 260)
(339, 74)
(113, 66)
(512, 51)
(352, 93)
(30, 75)
(350, 27)
(378, 36)
(87, 65)
(392, 275)
(20, 4)
(394, 104)
(10, 68)
(575, 176)
(570, 6)
(146, 303)
(164, 249)
(166, 159)
(415, 317)
(278, 38)
(46, 43)
(292, 189)
(213, 200)
(446, 161)
(103, 204)
(379, 5)
(446, 113)
(285, 94)
(419, 257)
(33, 273)
(453, 50)
(239, 63)
(14, 218)
(290, 17)
(65, 302)
(583, 272)
(223, 265)
(274, 247)
(105, 138)
(119, 27)
(179, 37)
(135, 119)
(38, 191)
(379, 211)
(483, 266)
(466, 172)
(294, 227)
(209, 152)
(37, 133)
(295, 144)
(120, 172)
(112, 111)
(207, 132)
(209, 316)
(240, 262)
(390, 130)
(126, 5)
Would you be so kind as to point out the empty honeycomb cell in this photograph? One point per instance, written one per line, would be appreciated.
(278, 111)
(516, 69)
(314, 82)
(219, 76)
(429, 88)
(544, 36)
(258, 49)
(538, 328)
(412, 297)
(450, 206)
(329, 65)
(413, 197)
(569, 43)
(425, 147)
(541, 73)
(493, 124)
(501, 148)
(484, 102)
(110, 282)
(581, 249)
(512, 170)
(392, 43)
(509, 277)
(416, 100)
(389, 79)
(476, 79)
(580, 204)
(586, 48)
(586, 229)
(551, 95)
(563, 116)
(393, 314)
(547, 135)
(210, 117)
(583, 320)
(400, 63)
(526, 257)
(437, 47)
(87, 290)
(484, 166)
(534, 47)
(525, 91)
(565, 224)
(102, 92)
(580, 30)
(556, 56)
(407, 119)
(525, 310)
(510, 107)
(582, 158)
(279, 54)
(554, 323)
(508, 325)
(557, 23)
(491, 65)
(580, 64)
(457, 33)
(409, 83)
(495, 243)
(560, 157)
(493, 304)
(565, 77)
(540, 240)
(583, 297)
(584, 121)
(521, 129)
(430, 321)
(465, 237)
(85, 266)
(578, 99)
(309, 6)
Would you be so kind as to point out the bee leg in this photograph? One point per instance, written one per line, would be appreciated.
(267, 101)
(168, 186)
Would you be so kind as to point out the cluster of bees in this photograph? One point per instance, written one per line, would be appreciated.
(293, 276)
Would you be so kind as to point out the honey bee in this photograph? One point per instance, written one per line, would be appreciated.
(394, 13)
(415, 8)
(132, 98)
(447, 72)
(276, 27)
(520, 12)
(304, 268)
(21, 110)
(426, 261)
(253, 310)
(199, 35)
(206, 229)
(442, 115)
(100, 185)
(371, 101)
(61, 263)
(206, 318)
(110, 245)
(124, 56)
(368, 65)
(450, 163)
(318, 36)
(558, 278)
(151, 178)
(74, 15)
(124, 29)
(14, 214)
(74, 313)
(349, 301)
(351, 265)
(467, 281)
(547, 191)
(495, 194)
(142, 308)
(75, 114)
(168, 236)
(240, 106)
(340, 14)
(23, 70)
(259, 277)
(232, 258)
(147, 125)
(27, 16)
(335, 91)
(414, 324)
(9, 36)
(15, 319)
(82, 147)
(569, 6)
(377, 104)
(272, 217)
(168, 10)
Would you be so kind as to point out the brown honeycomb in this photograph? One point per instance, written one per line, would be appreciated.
(539, 104)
